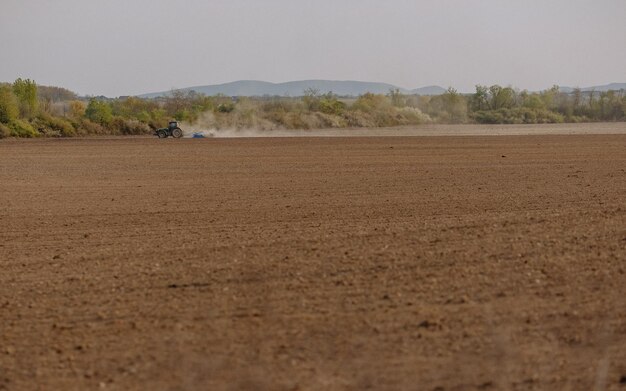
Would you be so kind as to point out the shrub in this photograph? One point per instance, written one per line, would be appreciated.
(99, 112)
(57, 126)
(77, 109)
(486, 117)
(21, 128)
(577, 119)
(311, 99)
(325, 120)
(519, 115)
(144, 117)
(128, 126)
(55, 94)
(449, 107)
(412, 116)
(358, 119)
(26, 93)
(85, 127)
(278, 105)
(376, 110)
(330, 105)
(325, 103)
(9, 109)
(5, 131)
(372, 102)
(295, 121)
(226, 107)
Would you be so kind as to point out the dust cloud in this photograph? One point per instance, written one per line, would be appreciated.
(207, 125)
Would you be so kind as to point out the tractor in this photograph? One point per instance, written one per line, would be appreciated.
(171, 130)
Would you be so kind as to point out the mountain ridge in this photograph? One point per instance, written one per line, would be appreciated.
(298, 87)
(601, 88)
(339, 87)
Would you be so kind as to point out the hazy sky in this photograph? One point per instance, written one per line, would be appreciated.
(122, 47)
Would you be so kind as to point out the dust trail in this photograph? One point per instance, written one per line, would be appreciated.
(211, 128)
(196, 131)
(207, 125)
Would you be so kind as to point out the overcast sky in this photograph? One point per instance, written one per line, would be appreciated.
(126, 47)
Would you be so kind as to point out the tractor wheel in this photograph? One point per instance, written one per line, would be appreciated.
(177, 133)
(162, 134)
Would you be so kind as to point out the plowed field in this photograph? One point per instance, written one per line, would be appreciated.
(386, 263)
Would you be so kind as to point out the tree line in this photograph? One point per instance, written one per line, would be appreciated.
(29, 110)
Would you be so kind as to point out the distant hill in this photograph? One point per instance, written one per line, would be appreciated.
(603, 88)
(429, 90)
(297, 88)
(341, 88)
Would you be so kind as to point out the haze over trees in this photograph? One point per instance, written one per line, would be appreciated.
(29, 110)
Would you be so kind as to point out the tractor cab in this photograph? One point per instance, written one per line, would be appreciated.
(173, 125)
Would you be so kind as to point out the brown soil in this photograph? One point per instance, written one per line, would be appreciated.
(451, 263)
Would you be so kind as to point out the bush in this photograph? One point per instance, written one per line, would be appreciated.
(359, 119)
(317, 120)
(324, 120)
(577, 119)
(226, 107)
(55, 94)
(26, 93)
(9, 109)
(295, 121)
(330, 105)
(246, 115)
(99, 112)
(77, 109)
(120, 125)
(488, 117)
(450, 107)
(278, 105)
(21, 128)
(326, 103)
(412, 116)
(86, 127)
(5, 131)
(56, 126)
(376, 110)
(519, 115)
(372, 102)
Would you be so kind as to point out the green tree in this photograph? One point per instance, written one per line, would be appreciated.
(501, 97)
(480, 99)
(311, 99)
(549, 97)
(397, 99)
(532, 101)
(329, 104)
(369, 102)
(454, 105)
(99, 112)
(9, 109)
(26, 93)
(577, 101)
(55, 94)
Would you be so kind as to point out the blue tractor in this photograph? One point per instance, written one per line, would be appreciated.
(172, 130)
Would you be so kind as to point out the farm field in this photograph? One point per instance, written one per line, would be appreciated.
(312, 263)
